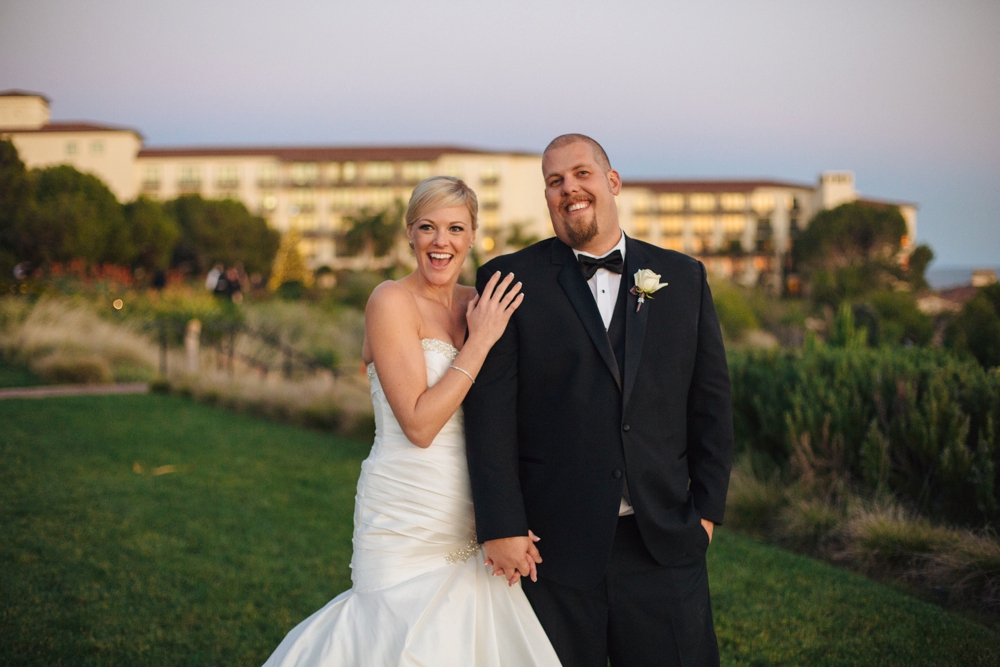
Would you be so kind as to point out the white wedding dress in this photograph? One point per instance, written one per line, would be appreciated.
(422, 595)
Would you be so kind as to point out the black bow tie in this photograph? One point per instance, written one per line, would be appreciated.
(612, 262)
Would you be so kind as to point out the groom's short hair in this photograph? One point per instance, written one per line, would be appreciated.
(567, 139)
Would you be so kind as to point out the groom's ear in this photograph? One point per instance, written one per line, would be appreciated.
(615, 181)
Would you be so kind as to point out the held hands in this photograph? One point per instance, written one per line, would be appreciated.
(487, 314)
(513, 557)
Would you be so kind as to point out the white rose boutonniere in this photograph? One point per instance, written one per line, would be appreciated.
(646, 282)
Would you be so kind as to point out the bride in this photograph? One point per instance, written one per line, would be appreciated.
(423, 594)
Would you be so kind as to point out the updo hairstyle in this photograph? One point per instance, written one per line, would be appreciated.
(439, 192)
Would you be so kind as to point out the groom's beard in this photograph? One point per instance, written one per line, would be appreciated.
(582, 234)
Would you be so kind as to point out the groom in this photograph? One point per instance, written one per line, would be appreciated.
(604, 424)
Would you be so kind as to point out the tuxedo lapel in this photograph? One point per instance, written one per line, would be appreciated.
(635, 322)
(579, 295)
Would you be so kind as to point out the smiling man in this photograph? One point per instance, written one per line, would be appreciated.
(602, 421)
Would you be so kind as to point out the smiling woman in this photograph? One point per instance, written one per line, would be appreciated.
(417, 569)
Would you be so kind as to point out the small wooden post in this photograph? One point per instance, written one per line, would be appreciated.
(163, 348)
(192, 344)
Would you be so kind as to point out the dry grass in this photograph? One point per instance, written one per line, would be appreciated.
(879, 537)
(320, 401)
(65, 341)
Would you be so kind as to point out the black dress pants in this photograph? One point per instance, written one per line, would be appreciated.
(641, 614)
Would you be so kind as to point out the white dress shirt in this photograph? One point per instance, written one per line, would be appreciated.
(604, 285)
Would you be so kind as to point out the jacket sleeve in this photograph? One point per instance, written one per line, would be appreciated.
(491, 438)
(710, 439)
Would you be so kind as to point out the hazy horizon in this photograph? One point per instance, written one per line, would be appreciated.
(904, 94)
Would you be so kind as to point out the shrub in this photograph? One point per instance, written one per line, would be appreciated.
(72, 369)
(736, 316)
(918, 423)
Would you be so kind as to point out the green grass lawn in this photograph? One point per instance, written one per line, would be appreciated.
(211, 564)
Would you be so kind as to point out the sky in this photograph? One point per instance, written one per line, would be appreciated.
(904, 93)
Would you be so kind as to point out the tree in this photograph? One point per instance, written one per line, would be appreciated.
(518, 239)
(976, 328)
(916, 266)
(374, 231)
(850, 250)
(221, 232)
(76, 216)
(289, 267)
(15, 205)
(899, 319)
(154, 233)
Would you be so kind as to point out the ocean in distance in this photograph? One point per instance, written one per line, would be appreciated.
(953, 276)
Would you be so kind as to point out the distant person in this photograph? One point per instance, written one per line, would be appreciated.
(234, 284)
(212, 280)
(423, 593)
(159, 279)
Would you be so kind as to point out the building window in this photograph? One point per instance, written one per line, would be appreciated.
(305, 173)
(762, 202)
(416, 171)
(350, 171)
(490, 221)
(733, 201)
(670, 201)
(489, 198)
(189, 177)
(71, 148)
(304, 201)
(671, 224)
(304, 223)
(379, 172)
(342, 199)
(640, 226)
(269, 201)
(97, 147)
(490, 174)
(267, 175)
(672, 242)
(702, 202)
(734, 224)
(227, 177)
(703, 224)
(151, 177)
(640, 203)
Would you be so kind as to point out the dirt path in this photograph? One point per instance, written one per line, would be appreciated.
(75, 390)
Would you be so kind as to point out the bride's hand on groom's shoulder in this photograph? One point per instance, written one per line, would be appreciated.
(513, 557)
(488, 313)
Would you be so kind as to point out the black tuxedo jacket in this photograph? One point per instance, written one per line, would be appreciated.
(554, 428)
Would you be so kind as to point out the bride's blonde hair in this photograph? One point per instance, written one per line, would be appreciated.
(441, 192)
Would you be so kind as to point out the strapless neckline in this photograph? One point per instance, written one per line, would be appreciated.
(428, 345)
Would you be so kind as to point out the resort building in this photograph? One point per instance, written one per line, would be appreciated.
(739, 228)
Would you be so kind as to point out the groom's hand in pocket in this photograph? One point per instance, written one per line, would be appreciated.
(709, 528)
(513, 557)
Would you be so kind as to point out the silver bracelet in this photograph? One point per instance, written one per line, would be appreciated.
(462, 370)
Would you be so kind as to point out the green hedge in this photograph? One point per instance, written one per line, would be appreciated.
(920, 424)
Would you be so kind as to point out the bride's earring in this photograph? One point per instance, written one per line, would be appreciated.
(410, 241)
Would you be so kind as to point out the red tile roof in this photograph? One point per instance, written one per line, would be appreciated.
(323, 154)
(959, 295)
(15, 92)
(714, 186)
(72, 126)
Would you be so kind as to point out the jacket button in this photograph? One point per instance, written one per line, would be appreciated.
(625, 427)
(617, 474)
